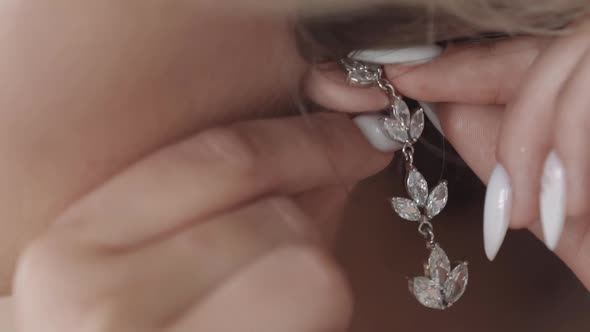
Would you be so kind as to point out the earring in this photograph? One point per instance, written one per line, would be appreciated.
(441, 286)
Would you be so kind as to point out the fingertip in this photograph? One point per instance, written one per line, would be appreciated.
(370, 127)
(328, 88)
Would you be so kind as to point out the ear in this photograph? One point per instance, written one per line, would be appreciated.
(326, 85)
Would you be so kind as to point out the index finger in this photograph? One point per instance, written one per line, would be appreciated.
(224, 168)
(485, 73)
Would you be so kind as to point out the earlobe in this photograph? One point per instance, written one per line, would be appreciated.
(327, 87)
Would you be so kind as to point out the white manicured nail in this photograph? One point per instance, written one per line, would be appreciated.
(553, 200)
(496, 216)
(413, 54)
(371, 127)
(430, 112)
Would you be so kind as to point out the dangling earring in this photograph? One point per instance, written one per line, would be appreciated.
(441, 286)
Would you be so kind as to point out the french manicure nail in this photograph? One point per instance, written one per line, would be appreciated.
(370, 126)
(553, 200)
(497, 207)
(410, 55)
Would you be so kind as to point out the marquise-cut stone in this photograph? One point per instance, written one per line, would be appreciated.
(401, 111)
(427, 292)
(417, 124)
(360, 73)
(406, 208)
(417, 187)
(456, 283)
(395, 130)
(439, 265)
(362, 77)
(437, 200)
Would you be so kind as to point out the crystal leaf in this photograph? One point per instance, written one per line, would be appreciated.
(417, 124)
(360, 73)
(417, 187)
(437, 200)
(406, 208)
(401, 111)
(427, 292)
(456, 284)
(395, 130)
(439, 265)
(362, 77)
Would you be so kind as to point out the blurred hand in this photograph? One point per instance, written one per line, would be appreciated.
(227, 229)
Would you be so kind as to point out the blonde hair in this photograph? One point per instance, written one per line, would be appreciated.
(331, 28)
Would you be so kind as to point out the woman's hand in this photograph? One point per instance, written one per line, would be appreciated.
(518, 109)
(522, 104)
(229, 228)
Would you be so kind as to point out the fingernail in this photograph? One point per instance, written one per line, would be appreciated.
(370, 126)
(430, 111)
(410, 55)
(553, 200)
(496, 211)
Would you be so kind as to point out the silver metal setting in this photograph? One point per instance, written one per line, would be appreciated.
(441, 286)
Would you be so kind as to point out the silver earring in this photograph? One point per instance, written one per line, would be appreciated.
(441, 286)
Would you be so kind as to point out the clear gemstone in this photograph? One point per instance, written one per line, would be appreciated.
(417, 124)
(401, 111)
(360, 73)
(406, 208)
(395, 130)
(427, 292)
(456, 283)
(439, 265)
(362, 77)
(437, 200)
(417, 187)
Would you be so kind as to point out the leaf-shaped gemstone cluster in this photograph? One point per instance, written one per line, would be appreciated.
(401, 126)
(440, 287)
(422, 203)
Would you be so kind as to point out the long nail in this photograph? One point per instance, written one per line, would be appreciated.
(496, 211)
(370, 126)
(410, 55)
(553, 200)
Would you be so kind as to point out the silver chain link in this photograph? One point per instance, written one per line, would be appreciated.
(425, 228)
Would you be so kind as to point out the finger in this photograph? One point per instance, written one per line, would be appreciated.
(155, 284)
(325, 207)
(473, 131)
(528, 127)
(223, 168)
(572, 136)
(327, 87)
(292, 290)
(486, 73)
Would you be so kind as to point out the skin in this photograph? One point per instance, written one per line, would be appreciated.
(141, 193)
(486, 93)
(79, 105)
(142, 189)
